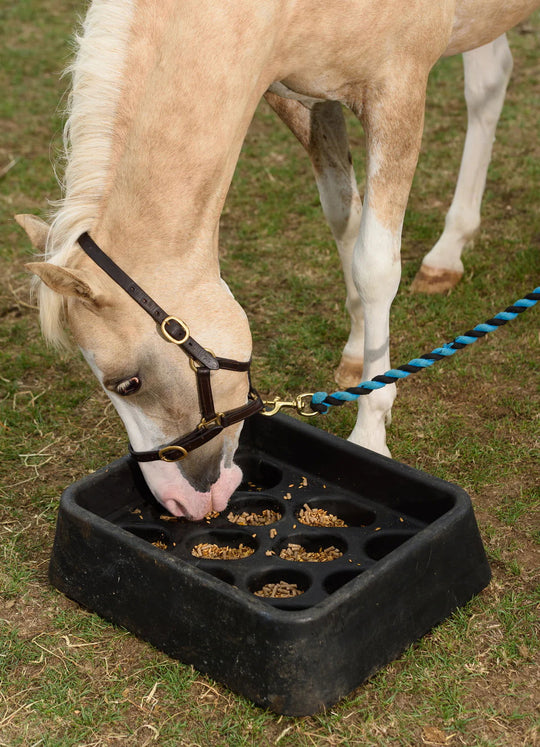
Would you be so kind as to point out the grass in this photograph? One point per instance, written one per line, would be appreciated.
(67, 678)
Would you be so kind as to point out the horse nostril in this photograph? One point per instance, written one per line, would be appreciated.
(177, 508)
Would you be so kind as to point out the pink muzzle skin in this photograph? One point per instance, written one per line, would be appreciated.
(175, 493)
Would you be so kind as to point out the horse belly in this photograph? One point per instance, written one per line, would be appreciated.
(335, 50)
(478, 22)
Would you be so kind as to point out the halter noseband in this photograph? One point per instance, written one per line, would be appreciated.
(202, 361)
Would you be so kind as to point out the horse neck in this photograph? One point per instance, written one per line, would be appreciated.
(186, 105)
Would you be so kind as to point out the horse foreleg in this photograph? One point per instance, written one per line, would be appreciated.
(487, 72)
(393, 118)
(322, 131)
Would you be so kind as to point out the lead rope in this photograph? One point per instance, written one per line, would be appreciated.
(320, 402)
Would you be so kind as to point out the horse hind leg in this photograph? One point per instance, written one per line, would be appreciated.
(322, 131)
(487, 72)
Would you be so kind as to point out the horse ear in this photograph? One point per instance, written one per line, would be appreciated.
(36, 229)
(63, 281)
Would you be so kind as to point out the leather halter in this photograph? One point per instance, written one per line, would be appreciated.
(202, 361)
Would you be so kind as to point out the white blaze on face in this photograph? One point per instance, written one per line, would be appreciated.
(165, 479)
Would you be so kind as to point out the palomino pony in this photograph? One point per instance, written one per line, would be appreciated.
(163, 93)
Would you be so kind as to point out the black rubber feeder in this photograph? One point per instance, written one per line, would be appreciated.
(408, 556)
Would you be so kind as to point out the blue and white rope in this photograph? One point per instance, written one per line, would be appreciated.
(322, 401)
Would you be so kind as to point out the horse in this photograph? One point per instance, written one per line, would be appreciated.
(161, 99)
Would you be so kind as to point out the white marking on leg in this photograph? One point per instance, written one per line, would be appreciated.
(487, 72)
(376, 271)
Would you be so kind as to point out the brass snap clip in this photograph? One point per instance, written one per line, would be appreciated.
(300, 404)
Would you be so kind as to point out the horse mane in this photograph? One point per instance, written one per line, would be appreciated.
(96, 74)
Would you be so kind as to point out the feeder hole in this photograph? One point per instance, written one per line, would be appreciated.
(254, 511)
(257, 474)
(349, 512)
(223, 545)
(286, 583)
(154, 536)
(301, 548)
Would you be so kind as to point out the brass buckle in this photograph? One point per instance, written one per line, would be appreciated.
(168, 336)
(216, 420)
(162, 453)
(300, 404)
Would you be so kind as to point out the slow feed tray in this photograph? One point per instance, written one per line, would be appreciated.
(411, 554)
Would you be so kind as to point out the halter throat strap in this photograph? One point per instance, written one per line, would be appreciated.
(202, 361)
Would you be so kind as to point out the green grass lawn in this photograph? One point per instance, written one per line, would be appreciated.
(69, 678)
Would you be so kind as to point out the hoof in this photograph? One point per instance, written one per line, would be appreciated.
(435, 280)
(349, 372)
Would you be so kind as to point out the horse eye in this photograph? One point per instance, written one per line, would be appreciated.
(129, 386)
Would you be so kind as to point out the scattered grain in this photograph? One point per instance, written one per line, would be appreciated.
(280, 590)
(253, 519)
(318, 517)
(216, 552)
(299, 554)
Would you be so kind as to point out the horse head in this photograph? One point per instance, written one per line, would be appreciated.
(154, 385)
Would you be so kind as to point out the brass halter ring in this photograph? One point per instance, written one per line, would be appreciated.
(195, 365)
(163, 453)
(216, 420)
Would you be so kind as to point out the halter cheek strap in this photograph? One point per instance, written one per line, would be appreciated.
(174, 330)
(202, 361)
